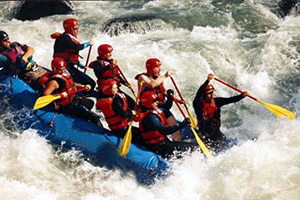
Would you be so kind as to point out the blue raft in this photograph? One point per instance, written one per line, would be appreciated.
(95, 142)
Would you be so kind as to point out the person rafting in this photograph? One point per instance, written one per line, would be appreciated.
(207, 108)
(17, 59)
(154, 128)
(114, 106)
(61, 83)
(105, 67)
(154, 81)
(67, 46)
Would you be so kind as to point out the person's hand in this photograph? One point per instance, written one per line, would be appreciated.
(245, 94)
(63, 95)
(24, 59)
(210, 76)
(87, 87)
(92, 42)
(168, 73)
(133, 113)
(170, 92)
(185, 122)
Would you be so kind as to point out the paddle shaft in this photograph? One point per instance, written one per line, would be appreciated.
(88, 58)
(175, 85)
(236, 89)
(126, 80)
(201, 144)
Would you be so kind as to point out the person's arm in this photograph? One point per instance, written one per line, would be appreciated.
(69, 44)
(118, 107)
(28, 53)
(197, 100)
(152, 83)
(152, 122)
(50, 87)
(221, 101)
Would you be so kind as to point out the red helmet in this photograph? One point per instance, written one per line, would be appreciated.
(106, 86)
(58, 63)
(147, 98)
(69, 24)
(151, 64)
(104, 49)
(209, 88)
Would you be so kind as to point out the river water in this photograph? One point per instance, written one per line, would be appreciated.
(242, 42)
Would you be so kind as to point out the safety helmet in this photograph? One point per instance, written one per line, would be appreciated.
(104, 49)
(3, 36)
(106, 86)
(209, 89)
(148, 98)
(69, 24)
(58, 63)
(151, 64)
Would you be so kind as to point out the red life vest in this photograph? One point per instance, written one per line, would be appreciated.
(110, 72)
(69, 55)
(70, 88)
(115, 121)
(14, 52)
(152, 137)
(209, 110)
(159, 90)
(45, 78)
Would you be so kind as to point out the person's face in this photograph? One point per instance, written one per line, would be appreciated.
(5, 43)
(60, 70)
(155, 104)
(156, 71)
(114, 89)
(210, 95)
(75, 30)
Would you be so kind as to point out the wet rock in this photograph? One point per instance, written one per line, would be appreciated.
(286, 6)
(33, 10)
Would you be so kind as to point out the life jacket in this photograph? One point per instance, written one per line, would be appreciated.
(110, 71)
(45, 78)
(70, 88)
(152, 137)
(69, 55)
(115, 121)
(209, 110)
(15, 53)
(159, 90)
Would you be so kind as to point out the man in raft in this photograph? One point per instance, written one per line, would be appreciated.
(105, 67)
(154, 81)
(61, 83)
(18, 58)
(67, 46)
(154, 128)
(207, 108)
(114, 106)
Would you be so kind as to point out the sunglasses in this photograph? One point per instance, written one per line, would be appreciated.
(5, 39)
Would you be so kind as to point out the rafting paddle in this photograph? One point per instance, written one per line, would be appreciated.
(125, 145)
(87, 60)
(130, 86)
(193, 120)
(276, 110)
(199, 141)
(45, 100)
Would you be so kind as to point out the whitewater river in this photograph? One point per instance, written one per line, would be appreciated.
(242, 42)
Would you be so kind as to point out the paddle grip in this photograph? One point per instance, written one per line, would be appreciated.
(236, 89)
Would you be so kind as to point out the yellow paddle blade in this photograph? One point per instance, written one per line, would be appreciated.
(278, 111)
(125, 146)
(193, 120)
(43, 101)
(201, 144)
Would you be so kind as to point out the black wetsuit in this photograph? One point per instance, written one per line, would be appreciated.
(210, 129)
(166, 148)
(76, 107)
(63, 43)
